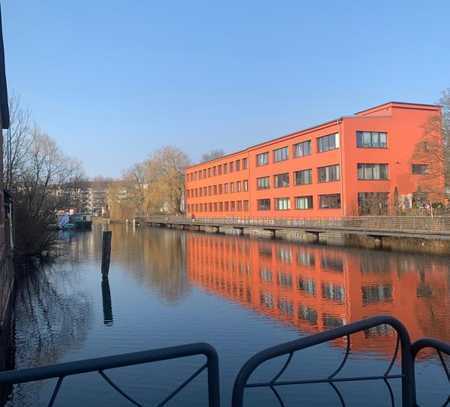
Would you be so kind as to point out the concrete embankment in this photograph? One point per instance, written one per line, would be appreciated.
(403, 244)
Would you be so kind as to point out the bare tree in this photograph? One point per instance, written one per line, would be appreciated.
(16, 142)
(433, 149)
(39, 189)
(211, 155)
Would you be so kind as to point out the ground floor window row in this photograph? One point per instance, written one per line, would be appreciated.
(327, 201)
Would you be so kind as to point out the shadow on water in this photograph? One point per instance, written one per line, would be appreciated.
(52, 317)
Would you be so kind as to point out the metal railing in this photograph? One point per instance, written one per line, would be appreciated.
(440, 348)
(100, 365)
(403, 345)
(408, 353)
(425, 224)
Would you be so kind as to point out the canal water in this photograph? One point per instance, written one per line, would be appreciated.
(169, 287)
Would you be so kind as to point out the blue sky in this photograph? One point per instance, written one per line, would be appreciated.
(113, 80)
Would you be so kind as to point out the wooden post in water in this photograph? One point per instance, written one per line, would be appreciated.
(106, 252)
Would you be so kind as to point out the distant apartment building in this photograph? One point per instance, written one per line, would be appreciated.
(95, 200)
(375, 162)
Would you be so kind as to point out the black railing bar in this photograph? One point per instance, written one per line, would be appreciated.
(337, 391)
(444, 365)
(408, 385)
(317, 381)
(183, 385)
(391, 393)
(286, 364)
(277, 395)
(326, 336)
(55, 391)
(423, 343)
(341, 365)
(394, 356)
(108, 362)
(118, 389)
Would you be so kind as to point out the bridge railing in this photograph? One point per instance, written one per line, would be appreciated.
(100, 365)
(437, 224)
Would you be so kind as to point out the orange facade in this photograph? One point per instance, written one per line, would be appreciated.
(370, 163)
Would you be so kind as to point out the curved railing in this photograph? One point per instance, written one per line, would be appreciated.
(440, 348)
(403, 345)
(408, 353)
(100, 365)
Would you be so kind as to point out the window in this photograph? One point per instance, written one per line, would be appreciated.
(262, 159)
(214, 171)
(215, 189)
(285, 279)
(227, 206)
(304, 202)
(330, 201)
(327, 143)
(281, 180)
(263, 183)
(221, 206)
(238, 165)
(263, 204)
(231, 166)
(225, 188)
(239, 205)
(307, 314)
(285, 306)
(282, 204)
(372, 171)
(232, 205)
(306, 259)
(373, 203)
(332, 263)
(419, 169)
(329, 174)
(266, 275)
(371, 139)
(267, 300)
(280, 154)
(219, 169)
(244, 164)
(333, 292)
(307, 285)
(376, 293)
(220, 189)
(303, 177)
(238, 186)
(246, 206)
(231, 187)
(302, 149)
(245, 185)
(225, 168)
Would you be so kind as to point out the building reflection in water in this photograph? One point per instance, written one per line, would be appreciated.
(317, 288)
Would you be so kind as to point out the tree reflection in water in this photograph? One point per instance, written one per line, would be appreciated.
(52, 318)
(155, 257)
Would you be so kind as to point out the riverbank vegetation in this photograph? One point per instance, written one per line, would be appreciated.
(39, 178)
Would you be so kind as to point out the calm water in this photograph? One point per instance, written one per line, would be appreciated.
(171, 287)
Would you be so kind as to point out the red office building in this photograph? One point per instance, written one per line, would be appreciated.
(378, 161)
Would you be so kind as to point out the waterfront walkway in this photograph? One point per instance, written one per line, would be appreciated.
(416, 227)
